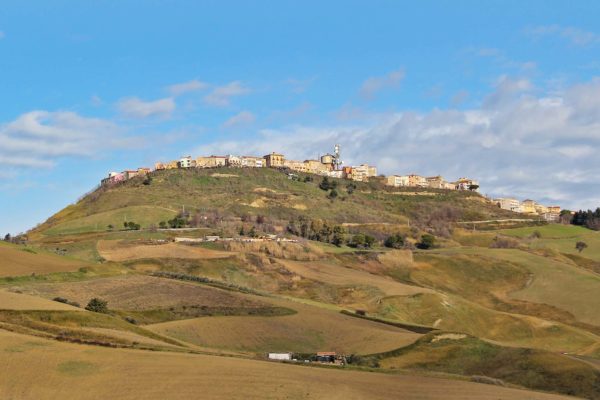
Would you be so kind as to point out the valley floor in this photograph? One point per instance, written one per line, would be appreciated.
(39, 369)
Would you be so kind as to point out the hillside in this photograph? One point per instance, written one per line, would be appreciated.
(504, 305)
(226, 194)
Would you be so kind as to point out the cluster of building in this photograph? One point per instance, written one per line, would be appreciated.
(115, 177)
(330, 165)
(432, 182)
(529, 207)
(327, 165)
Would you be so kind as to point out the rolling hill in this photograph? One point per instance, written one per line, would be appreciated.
(426, 320)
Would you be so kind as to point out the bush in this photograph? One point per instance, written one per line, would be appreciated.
(361, 240)
(427, 242)
(97, 305)
(580, 246)
(504, 243)
(61, 300)
(333, 194)
(395, 241)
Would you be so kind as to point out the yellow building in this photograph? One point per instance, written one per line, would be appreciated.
(274, 160)
(172, 165)
(158, 166)
(528, 207)
(295, 165)
(316, 166)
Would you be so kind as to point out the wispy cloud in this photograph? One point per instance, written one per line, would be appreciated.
(244, 118)
(38, 138)
(515, 142)
(134, 107)
(299, 85)
(575, 36)
(185, 87)
(221, 96)
(373, 85)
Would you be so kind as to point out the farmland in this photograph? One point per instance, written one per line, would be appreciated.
(494, 308)
(78, 372)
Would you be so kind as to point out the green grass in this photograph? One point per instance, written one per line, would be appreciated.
(469, 356)
(282, 200)
(84, 273)
(99, 222)
(67, 325)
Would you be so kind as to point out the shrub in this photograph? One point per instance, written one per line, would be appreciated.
(61, 300)
(395, 241)
(333, 194)
(361, 240)
(580, 246)
(97, 305)
(535, 235)
(427, 242)
(504, 243)
(131, 320)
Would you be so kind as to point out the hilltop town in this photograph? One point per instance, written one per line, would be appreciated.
(331, 166)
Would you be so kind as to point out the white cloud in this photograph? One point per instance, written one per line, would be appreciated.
(134, 107)
(300, 85)
(221, 96)
(375, 84)
(575, 36)
(37, 138)
(243, 118)
(519, 144)
(185, 87)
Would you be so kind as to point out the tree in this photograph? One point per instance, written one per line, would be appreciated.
(97, 305)
(162, 224)
(394, 241)
(325, 184)
(7, 237)
(110, 227)
(357, 240)
(427, 241)
(252, 232)
(242, 232)
(369, 241)
(580, 246)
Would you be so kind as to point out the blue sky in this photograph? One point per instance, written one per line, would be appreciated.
(507, 92)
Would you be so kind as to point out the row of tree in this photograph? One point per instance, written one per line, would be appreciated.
(590, 219)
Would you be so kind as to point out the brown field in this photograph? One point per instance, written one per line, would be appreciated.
(331, 273)
(37, 369)
(138, 292)
(311, 329)
(115, 250)
(14, 261)
(19, 301)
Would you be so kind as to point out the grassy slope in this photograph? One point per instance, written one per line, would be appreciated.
(462, 355)
(19, 260)
(562, 238)
(311, 329)
(78, 372)
(250, 192)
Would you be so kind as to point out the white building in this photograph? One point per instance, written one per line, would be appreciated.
(509, 204)
(280, 356)
(187, 162)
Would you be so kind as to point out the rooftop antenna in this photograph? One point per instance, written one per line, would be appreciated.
(337, 159)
